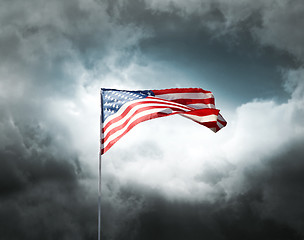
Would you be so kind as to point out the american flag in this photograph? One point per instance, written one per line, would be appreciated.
(122, 110)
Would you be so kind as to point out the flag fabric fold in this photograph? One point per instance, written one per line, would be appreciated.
(121, 110)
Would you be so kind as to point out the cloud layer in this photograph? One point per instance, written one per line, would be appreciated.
(167, 178)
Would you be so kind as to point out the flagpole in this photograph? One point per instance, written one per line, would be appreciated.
(99, 168)
(99, 198)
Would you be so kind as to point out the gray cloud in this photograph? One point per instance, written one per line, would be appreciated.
(281, 28)
(214, 43)
(39, 190)
(48, 46)
(277, 25)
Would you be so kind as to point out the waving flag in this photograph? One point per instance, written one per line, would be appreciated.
(122, 110)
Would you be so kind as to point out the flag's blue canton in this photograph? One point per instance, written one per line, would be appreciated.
(113, 99)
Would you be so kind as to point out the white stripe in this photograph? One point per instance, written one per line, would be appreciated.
(201, 105)
(173, 96)
(134, 118)
(220, 125)
(220, 117)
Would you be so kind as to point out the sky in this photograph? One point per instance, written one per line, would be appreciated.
(169, 178)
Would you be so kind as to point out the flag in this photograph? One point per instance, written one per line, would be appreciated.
(123, 109)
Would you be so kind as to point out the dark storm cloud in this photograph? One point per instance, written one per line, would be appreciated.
(280, 185)
(28, 159)
(211, 54)
(40, 193)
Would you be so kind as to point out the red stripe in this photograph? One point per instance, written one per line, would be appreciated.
(204, 112)
(121, 126)
(166, 103)
(137, 121)
(222, 122)
(200, 112)
(104, 150)
(180, 90)
(210, 125)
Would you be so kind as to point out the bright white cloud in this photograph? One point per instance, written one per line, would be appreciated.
(183, 160)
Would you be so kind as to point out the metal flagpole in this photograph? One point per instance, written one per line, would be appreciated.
(99, 169)
(99, 198)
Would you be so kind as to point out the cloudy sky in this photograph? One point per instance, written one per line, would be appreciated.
(168, 178)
